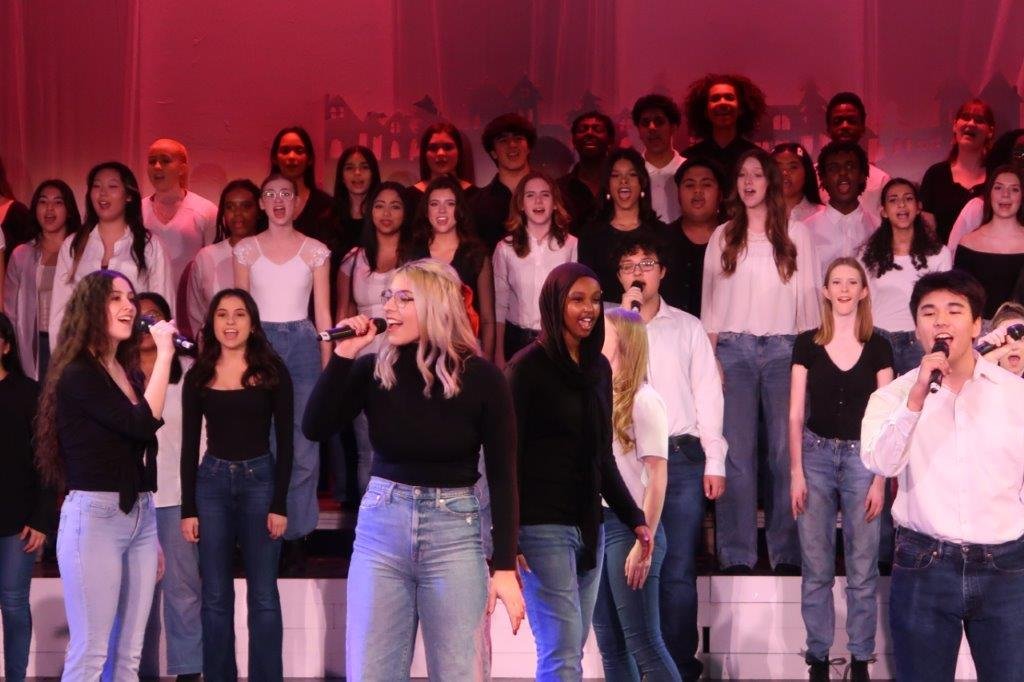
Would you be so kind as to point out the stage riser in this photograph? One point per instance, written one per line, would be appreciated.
(754, 622)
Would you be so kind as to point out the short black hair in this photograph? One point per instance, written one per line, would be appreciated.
(845, 98)
(609, 124)
(954, 281)
(639, 240)
(833, 148)
(508, 123)
(701, 162)
(664, 103)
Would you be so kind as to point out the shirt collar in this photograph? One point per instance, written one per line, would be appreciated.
(836, 217)
(676, 158)
(989, 370)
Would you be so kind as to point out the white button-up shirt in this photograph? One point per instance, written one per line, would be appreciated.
(682, 369)
(836, 235)
(664, 192)
(212, 270)
(959, 461)
(517, 281)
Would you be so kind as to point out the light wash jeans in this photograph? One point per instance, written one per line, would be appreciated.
(417, 560)
(15, 579)
(757, 374)
(837, 481)
(108, 564)
(296, 342)
(560, 597)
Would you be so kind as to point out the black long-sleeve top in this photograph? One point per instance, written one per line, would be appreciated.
(24, 501)
(431, 441)
(108, 444)
(560, 482)
(237, 429)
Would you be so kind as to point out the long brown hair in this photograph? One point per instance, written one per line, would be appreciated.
(865, 325)
(516, 223)
(83, 335)
(776, 224)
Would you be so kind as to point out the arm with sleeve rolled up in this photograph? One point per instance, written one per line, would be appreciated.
(886, 430)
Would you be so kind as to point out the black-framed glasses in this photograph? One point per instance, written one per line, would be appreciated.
(402, 297)
(646, 265)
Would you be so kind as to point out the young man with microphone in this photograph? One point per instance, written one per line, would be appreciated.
(683, 371)
(958, 454)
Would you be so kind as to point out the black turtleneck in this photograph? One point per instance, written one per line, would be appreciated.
(431, 441)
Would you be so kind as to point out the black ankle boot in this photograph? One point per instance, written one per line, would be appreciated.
(859, 671)
(817, 671)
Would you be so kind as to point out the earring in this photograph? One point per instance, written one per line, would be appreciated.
(642, 194)
(608, 196)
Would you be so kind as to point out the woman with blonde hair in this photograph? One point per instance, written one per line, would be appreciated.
(626, 618)
(431, 401)
(836, 368)
(1005, 337)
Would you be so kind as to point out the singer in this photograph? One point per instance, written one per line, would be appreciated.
(959, 561)
(431, 401)
(96, 435)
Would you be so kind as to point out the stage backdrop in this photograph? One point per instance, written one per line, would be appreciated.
(83, 81)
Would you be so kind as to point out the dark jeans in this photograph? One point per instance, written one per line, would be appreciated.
(233, 500)
(939, 591)
(682, 518)
(517, 338)
(627, 622)
(15, 578)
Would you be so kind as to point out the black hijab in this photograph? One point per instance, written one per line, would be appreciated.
(552, 325)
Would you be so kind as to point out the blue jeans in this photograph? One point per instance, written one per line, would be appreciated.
(417, 560)
(940, 590)
(108, 563)
(296, 342)
(627, 622)
(560, 597)
(837, 480)
(233, 500)
(682, 518)
(15, 579)
(906, 350)
(757, 374)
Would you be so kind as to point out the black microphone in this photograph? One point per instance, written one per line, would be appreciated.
(1014, 331)
(639, 284)
(940, 346)
(182, 343)
(347, 332)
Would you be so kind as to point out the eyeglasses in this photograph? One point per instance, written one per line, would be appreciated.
(285, 194)
(646, 265)
(402, 297)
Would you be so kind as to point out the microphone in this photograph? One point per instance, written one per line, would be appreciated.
(635, 305)
(1014, 331)
(347, 332)
(940, 346)
(182, 343)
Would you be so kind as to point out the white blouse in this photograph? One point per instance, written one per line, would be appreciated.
(517, 281)
(754, 299)
(157, 277)
(890, 293)
(212, 270)
(281, 290)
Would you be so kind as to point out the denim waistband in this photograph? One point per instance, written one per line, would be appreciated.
(107, 497)
(968, 549)
(218, 463)
(392, 489)
(839, 442)
(292, 325)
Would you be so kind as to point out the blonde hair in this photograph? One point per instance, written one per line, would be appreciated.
(632, 373)
(1011, 310)
(446, 337)
(865, 326)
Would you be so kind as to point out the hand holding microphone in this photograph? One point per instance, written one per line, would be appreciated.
(998, 337)
(633, 300)
(354, 334)
(934, 367)
(164, 333)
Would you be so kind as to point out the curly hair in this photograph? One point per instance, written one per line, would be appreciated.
(516, 223)
(84, 335)
(132, 217)
(751, 98)
(263, 365)
(776, 224)
(877, 251)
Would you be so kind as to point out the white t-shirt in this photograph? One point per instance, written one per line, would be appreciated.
(754, 299)
(650, 437)
(517, 281)
(890, 293)
(193, 226)
(664, 193)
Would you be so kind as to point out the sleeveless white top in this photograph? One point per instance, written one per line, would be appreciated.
(281, 290)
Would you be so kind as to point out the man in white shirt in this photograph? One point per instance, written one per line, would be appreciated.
(657, 119)
(184, 221)
(684, 373)
(957, 453)
(846, 121)
(844, 224)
